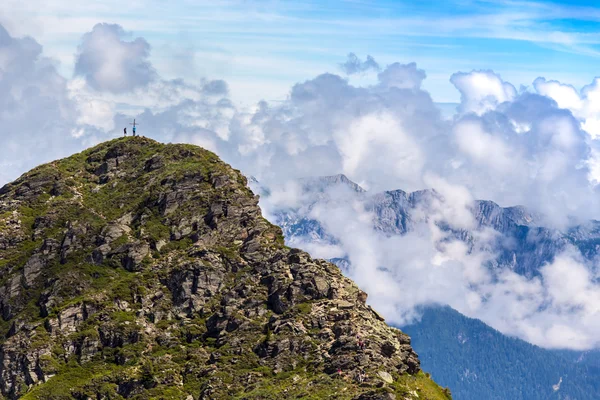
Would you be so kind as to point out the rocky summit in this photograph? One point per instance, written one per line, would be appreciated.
(142, 270)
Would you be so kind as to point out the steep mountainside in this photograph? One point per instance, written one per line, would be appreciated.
(481, 363)
(142, 270)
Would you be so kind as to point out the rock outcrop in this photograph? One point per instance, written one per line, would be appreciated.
(142, 270)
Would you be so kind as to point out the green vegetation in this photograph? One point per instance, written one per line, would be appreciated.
(122, 285)
(304, 308)
(421, 384)
(176, 245)
(71, 378)
(508, 369)
(154, 227)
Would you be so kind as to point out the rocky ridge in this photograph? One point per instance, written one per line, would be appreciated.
(142, 270)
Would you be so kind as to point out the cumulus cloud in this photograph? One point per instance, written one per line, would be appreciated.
(482, 147)
(584, 103)
(402, 76)
(38, 119)
(566, 96)
(111, 63)
(216, 88)
(543, 166)
(377, 142)
(354, 65)
(375, 134)
(515, 149)
(481, 91)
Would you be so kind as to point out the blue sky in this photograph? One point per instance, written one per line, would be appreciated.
(263, 47)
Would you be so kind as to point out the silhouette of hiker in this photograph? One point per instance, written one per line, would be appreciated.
(134, 130)
(124, 131)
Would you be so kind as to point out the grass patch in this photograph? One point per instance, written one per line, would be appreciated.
(422, 384)
(72, 377)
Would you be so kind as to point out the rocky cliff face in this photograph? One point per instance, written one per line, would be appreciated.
(142, 270)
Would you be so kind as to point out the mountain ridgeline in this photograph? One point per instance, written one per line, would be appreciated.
(141, 270)
(523, 244)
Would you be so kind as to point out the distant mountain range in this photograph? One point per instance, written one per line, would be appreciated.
(523, 244)
(474, 360)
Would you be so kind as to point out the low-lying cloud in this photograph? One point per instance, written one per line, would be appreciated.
(559, 308)
(429, 265)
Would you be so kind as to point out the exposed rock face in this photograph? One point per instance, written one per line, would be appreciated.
(141, 270)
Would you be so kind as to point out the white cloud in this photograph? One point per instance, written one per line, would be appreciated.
(557, 309)
(566, 96)
(110, 63)
(93, 110)
(377, 142)
(584, 104)
(37, 116)
(482, 147)
(402, 76)
(354, 65)
(481, 91)
(516, 149)
(327, 126)
(453, 205)
(594, 167)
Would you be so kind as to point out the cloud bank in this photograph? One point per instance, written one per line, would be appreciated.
(535, 147)
(428, 266)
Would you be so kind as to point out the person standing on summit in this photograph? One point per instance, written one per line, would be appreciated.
(125, 131)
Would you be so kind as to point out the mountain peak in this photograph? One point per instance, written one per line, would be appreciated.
(321, 183)
(138, 269)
